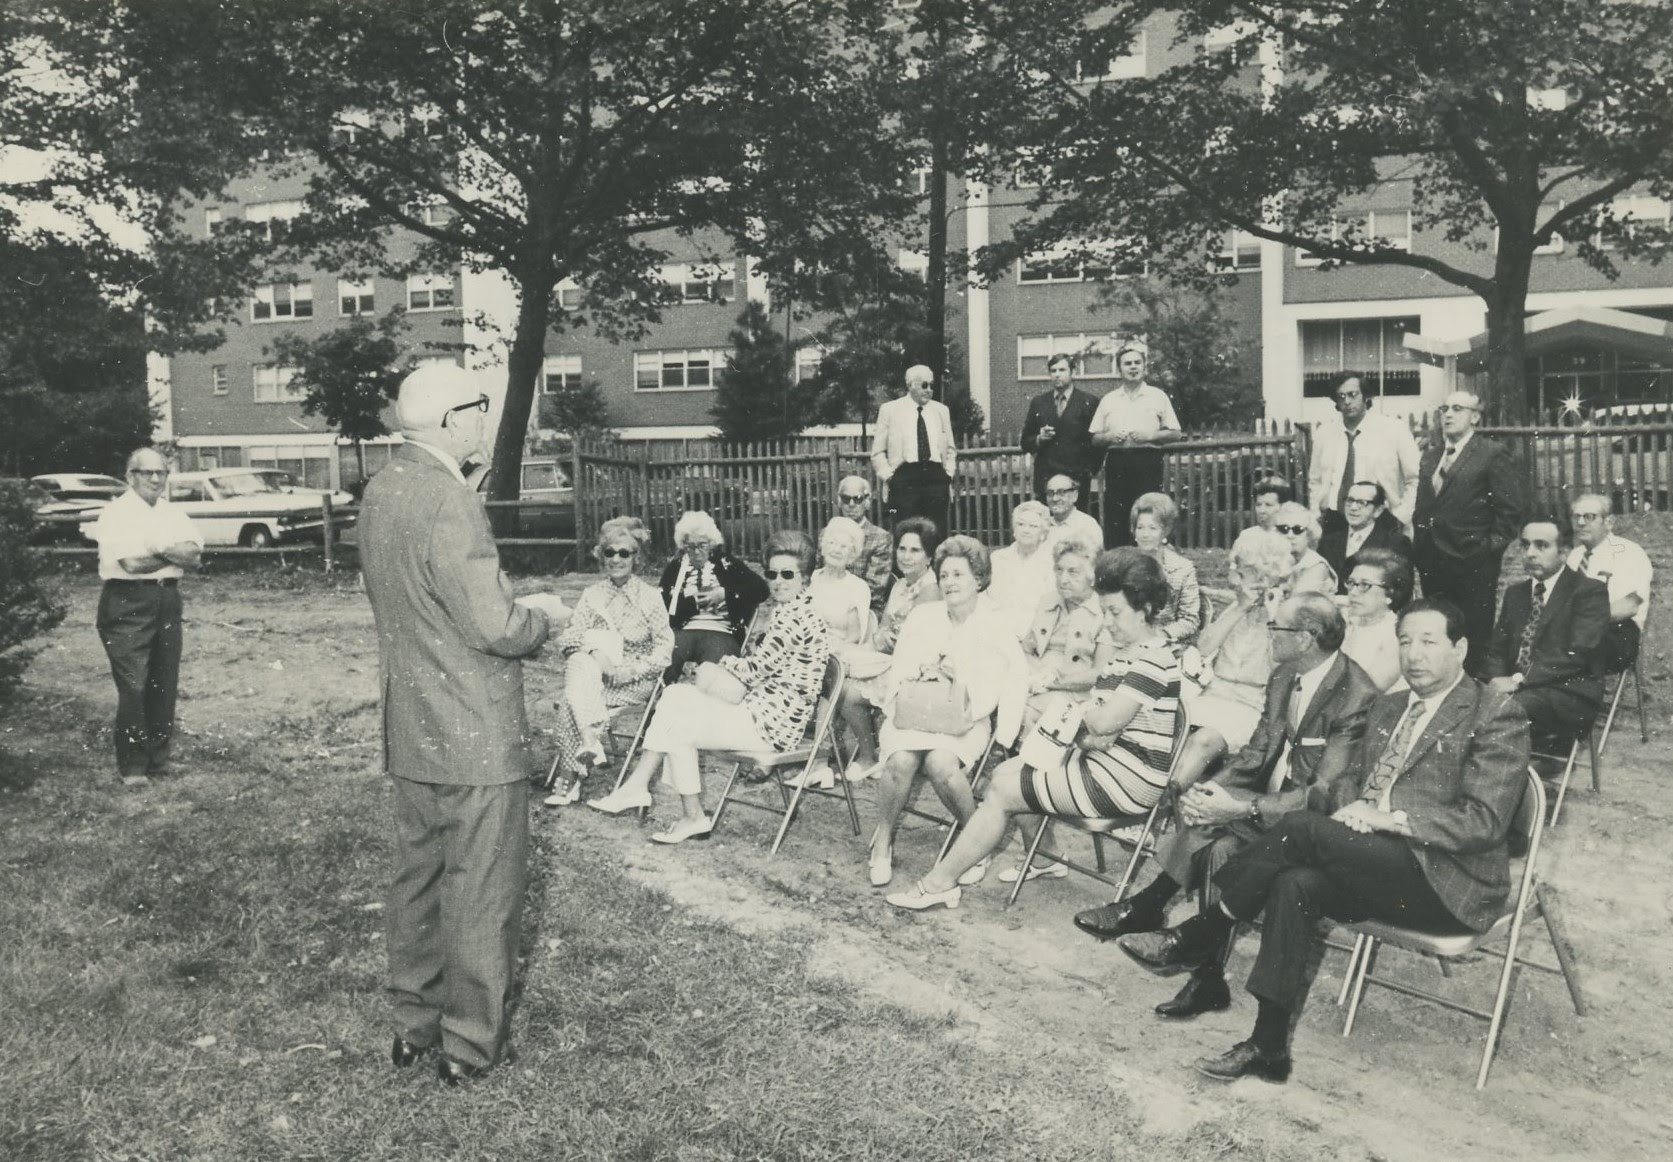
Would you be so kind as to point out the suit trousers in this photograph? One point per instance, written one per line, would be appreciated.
(1556, 717)
(1470, 583)
(921, 488)
(1309, 867)
(1193, 856)
(1620, 646)
(1129, 473)
(139, 624)
(454, 915)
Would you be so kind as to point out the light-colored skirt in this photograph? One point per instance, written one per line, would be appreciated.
(1231, 719)
(967, 747)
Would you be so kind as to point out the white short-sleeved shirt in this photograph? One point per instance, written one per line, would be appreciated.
(1077, 526)
(1146, 410)
(1623, 566)
(128, 527)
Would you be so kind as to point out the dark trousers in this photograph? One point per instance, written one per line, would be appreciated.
(1309, 867)
(455, 914)
(1128, 474)
(1470, 583)
(1083, 480)
(1556, 717)
(139, 624)
(695, 646)
(920, 488)
(1620, 646)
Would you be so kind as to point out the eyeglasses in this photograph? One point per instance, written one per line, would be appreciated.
(1290, 530)
(1586, 518)
(1061, 491)
(854, 499)
(1274, 627)
(155, 473)
(622, 553)
(1365, 586)
(481, 405)
(782, 574)
(1361, 500)
(1458, 407)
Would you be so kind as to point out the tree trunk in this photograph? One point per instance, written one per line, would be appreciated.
(528, 352)
(935, 345)
(1507, 393)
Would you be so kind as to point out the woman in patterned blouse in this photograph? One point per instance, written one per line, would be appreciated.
(1120, 765)
(1154, 515)
(616, 644)
(759, 701)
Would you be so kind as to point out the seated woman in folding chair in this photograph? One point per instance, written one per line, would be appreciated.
(1119, 767)
(1022, 576)
(758, 702)
(709, 594)
(842, 598)
(615, 647)
(950, 666)
(916, 539)
(1065, 645)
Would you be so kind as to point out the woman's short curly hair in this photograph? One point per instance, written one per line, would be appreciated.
(974, 553)
(1073, 547)
(926, 530)
(695, 524)
(1396, 571)
(1136, 576)
(847, 531)
(790, 543)
(1262, 553)
(1034, 509)
(1159, 505)
(621, 528)
(1292, 513)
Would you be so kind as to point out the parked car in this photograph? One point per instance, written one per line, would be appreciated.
(81, 485)
(238, 506)
(55, 519)
(546, 502)
(285, 482)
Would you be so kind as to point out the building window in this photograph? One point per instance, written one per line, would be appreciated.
(1057, 265)
(918, 180)
(692, 370)
(350, 127)
(913, 262)
(273, 216)
(1128, 65)
(1239, 250)
(356, 298)
(570, 295)
(435, 212)
(1631, 211)
(212, 222)
(1093, 355)
(273, 384)
(218, 381)
(696, 283)
(283, 300)
(430, 292)
(1373, 349)
(1392, 228)
(560, 373)
(808, 361)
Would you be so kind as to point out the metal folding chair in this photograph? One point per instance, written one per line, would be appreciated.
(1529, 902)
(1595, 753)
(1637, 670)
(804, 756)
(615, 731)
(1149, 824)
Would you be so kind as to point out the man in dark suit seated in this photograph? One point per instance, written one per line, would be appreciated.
(1368, 525)
(1418, 838)
(1057, 433)
(1547, 649)
(1315, 715)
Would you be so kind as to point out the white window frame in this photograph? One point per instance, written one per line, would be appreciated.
(1083, 273)
(212, 222)
(1076, 345)
(1306, 258)
(356, 298)
(283, 302)
(1234, 242)
(269, 213)
(657, 363)
(914, 262)
(699, 282)
(424, 288)
(220, 381)
(808, 361)
(278, 388)
(1128, 66)
(1385, 324)
(564, 368)
(1632, 207)
(570, 295)
(434, 212)
(918, 180)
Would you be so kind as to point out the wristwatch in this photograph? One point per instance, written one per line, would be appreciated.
(1255, 815)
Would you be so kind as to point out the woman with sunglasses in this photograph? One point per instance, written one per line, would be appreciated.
(710, 596)
(1379, 587)
(759, 701)
(1311, 573)
(615, 646)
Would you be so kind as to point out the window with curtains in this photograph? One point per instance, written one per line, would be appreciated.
(1373, 349)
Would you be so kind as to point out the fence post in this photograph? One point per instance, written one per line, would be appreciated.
(576, 489)
(328, 533)
(645, 483)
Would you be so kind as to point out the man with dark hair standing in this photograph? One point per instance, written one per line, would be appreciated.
(1469, 508)
(145, 547)
(1058, 432)
(1418, 838)
(1360, 445)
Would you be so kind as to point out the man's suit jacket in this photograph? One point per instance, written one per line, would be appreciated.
(1568, 641)
(1460, 785)
(1069, 451)
(1385, 534)
(449, 634)
(897, 426)
(1322, 744)
(1478, 511)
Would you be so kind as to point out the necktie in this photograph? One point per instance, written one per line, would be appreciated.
(923, 437)
(1392, 758)
(1347, 474)
(1586, 562)
(1525, 654)
(1062, 402)
(1295, 704)
(1281, 768)
(1441, 469)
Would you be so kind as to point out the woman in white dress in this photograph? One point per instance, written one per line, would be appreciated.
(841, 598)
(1379, 587)
(962, 640)
(1022, 570)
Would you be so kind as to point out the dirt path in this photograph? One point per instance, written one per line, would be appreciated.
(262, 660)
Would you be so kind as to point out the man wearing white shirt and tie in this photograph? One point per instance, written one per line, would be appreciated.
(145, 547)
(1360, 445)
(1620, 564)
(913, 452)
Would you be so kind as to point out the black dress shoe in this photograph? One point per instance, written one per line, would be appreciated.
(404, 1053)
(1164, 952)
(457, 1073)
(1122, 918)
(1202, 994)
(1245, 1059)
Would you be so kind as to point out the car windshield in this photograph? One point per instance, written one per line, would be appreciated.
(243, 484)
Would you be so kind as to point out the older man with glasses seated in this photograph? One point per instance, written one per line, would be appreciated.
(875, 563)
(1069, 523)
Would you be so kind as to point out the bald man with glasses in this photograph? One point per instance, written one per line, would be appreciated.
(876, 561)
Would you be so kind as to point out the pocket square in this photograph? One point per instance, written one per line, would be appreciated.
(1310, 742)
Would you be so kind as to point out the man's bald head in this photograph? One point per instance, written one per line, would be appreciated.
(434, 406)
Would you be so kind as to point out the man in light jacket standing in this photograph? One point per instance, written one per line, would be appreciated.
(913, 452)
(455, 736)
(1360, 445)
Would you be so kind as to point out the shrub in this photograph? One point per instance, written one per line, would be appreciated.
(28, 608)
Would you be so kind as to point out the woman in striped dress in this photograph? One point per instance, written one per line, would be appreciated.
(1119, 766)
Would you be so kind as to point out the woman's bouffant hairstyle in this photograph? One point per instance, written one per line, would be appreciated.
(1136, 576)
(621, 528)
(929, 536)
(791, 543)
(973, 551)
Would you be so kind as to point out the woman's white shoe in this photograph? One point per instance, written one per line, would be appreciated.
(976, 872)
(915, 899)
(686, 829)
(819, 776)
(569, 793)
(619, 800)
(1051, 871)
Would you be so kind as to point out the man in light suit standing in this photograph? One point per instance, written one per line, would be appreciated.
(1360, 445)
(450, 637)
(913, 452)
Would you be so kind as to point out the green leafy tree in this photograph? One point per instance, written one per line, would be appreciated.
(577, 410)
(1197, 355)
(349, 375)
(755, 393)
(28, 608)
(1510, 123)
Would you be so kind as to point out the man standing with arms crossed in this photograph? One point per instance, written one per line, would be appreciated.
(454, 733)
(1132, 423)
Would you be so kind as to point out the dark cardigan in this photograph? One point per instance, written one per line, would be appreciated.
(745, 591)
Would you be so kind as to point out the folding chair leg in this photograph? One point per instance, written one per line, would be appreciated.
(792, 803)
(1614, 705)
(1554, 927)
(1134, 860)
(1098, 854)
(551, 779)
(1562, 785)
(1028, 859)
(1366, 959)
(725, 794)
(1354, 954)
(1638, 692)
(633, 745)
(1596, 753)
(1501, 1001)
(847, 794)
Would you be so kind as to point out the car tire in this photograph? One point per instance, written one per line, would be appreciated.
(256, 537)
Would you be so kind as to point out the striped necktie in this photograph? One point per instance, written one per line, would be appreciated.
(1393, 757)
